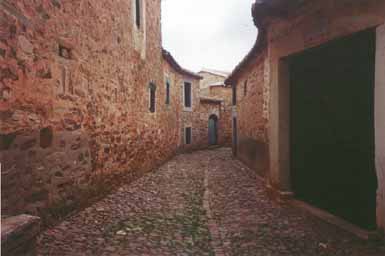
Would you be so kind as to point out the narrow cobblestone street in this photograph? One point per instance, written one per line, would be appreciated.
(203, 203)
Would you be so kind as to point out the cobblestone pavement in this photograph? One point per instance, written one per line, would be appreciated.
(204, 203)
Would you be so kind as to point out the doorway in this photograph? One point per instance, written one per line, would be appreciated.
(332, 128)
(213, 130)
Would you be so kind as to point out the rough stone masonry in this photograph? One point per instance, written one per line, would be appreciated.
(74, 114)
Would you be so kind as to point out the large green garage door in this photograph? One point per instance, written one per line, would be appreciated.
(332, 128)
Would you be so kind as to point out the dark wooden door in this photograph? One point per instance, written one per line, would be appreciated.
(332, 128)
(213, 131)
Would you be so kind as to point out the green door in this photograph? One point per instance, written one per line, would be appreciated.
(213, 130)
(332, 128)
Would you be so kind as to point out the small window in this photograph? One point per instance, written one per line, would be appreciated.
(187, 95)
(245, 88)
(167, 92)
(137, 13)
(64, 52)
(188, 135)
(116, 94)
(152, 89)
(234, 87)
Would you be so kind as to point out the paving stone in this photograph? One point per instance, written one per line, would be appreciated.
(188, 207)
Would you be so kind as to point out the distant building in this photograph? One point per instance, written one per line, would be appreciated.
(211, 77)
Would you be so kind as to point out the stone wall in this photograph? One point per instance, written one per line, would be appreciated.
(225, 129)
(206, 109)
(183, 117)
(74, 108)
(208, 79)
(190, 117)
(251, 109)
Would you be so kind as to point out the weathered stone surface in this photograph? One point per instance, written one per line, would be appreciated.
(203, 203)
(77, 68)
(18, 235)
(263, 112)
(252, 102)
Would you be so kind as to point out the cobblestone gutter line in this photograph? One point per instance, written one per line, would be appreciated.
(216, 239)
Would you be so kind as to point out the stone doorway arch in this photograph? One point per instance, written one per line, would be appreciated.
(213, 129)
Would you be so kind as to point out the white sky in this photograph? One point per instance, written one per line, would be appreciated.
(214, 34)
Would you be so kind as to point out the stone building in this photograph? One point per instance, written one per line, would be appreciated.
(184, 85)
(201, 120)
(224, 93)
(211, 77)
(309, 104)
(212, 86)
(82, 101)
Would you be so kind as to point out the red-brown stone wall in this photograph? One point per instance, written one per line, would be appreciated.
(183, 117)
(225, 128)
(207, 109)
(251, 115)
(74, 108)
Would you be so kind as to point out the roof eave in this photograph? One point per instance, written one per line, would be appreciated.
(174, 64)
(261, 10)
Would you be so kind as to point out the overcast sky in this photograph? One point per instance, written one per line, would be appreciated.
(214, 34)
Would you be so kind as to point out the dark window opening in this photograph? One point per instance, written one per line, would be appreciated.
(187, 95)
(64, 52)
(152, 88)
(234, 94)
(137, 13)
(188, 135)
(167, 92)
(6, 140)
(245, 88)
(46, 137)
(116, 94)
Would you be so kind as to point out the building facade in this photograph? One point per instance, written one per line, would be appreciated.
(316, 84)
(200, 120)
(88, 99)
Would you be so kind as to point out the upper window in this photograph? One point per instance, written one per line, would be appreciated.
(245, 88)
(137, 13)
(234, 87)
(167, 92)
(187, 95)
(152, 89)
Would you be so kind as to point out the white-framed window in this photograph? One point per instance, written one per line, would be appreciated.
(139, 26)
(138, 13)
(187, 95)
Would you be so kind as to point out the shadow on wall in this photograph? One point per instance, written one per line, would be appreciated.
(254, 154)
